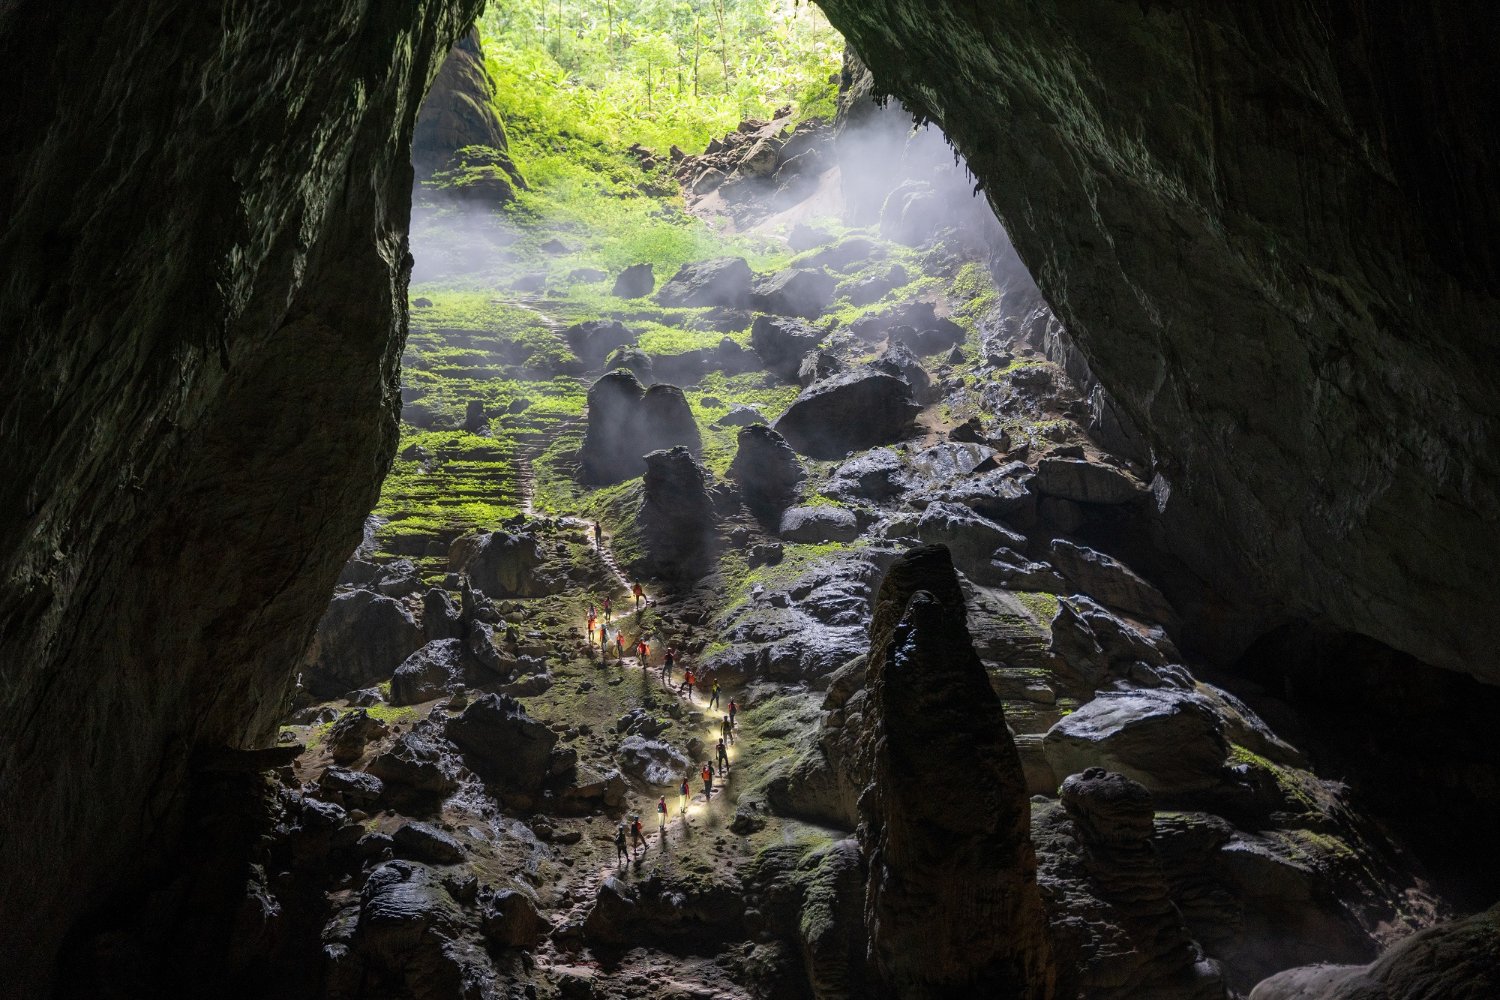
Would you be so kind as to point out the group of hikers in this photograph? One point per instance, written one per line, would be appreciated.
(599, 619)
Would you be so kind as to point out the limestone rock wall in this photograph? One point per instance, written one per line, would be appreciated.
(203, 212)
(1268, 229)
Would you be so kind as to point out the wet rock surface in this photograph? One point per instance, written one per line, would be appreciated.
(677, 516)
(848, 412)
(766, 468)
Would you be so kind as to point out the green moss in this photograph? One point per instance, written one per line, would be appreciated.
(1043, 606)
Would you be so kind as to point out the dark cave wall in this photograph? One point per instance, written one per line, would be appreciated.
(203, 212)
(1269, 227)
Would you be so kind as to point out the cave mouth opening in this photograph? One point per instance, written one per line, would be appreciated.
(1414, 742)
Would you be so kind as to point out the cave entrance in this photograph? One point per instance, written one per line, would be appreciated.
(1414, 742)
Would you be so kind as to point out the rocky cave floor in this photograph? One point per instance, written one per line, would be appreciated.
(440, 816)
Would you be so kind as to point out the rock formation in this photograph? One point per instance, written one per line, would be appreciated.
(1151, 954)
(625, 421)
(951, 907)
(1316, 388)
(458, 112)
(1456, 961)
(766, 468)
(677, 517)
(848, 412)
(721, 281)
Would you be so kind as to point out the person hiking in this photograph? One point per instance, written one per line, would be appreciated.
(620, 854)
(603, 641)
(725, 733)
(723, 756)
(608, 613)
(733, 708)
(708, 781)
(637, 839)
(666, 669)
(670, 658)
(713, 702)
(661, 816)
(687, 683)
(598, 536)
(639, 594)
(620, 643)
(683, 791)
(642, 651)
(593, 624)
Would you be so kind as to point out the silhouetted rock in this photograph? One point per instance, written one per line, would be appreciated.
(634, 282)
(362, 638)
(626, 421)
(593, 340)
(794, 292)
(782, 343)
(849, 412)
(721, 281)
(409, 933)
(677, 516)
(511, 920)
(459, 111)
(354, 730)
(439, 616)
(952, 906)
(1148, 950)
(766, 468)
(503, 744)
(505, 564)
(430, 672)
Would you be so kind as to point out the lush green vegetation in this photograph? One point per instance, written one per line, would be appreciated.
(657, 72)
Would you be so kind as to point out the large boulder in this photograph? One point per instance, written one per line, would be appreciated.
(971, 538)
(794, 292)
(459, 111)
(818, 524)
(852, 411)
(652, 761)
(1170, 741)
(351, 733)
(506, 564)
(782, 343)
(677, 516)
(440, 618)
(1452, 961)
(952, 906)
(720, 281)
(410, 934)
(625, 421)
(418, 762)
(503, 744)
(594, 339)
(766, 468)
(361, 639)
(634, 282)
(898, 360)
(430, 672)
(609, 452)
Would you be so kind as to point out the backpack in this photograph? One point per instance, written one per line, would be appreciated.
(684, 789)
(707, 773)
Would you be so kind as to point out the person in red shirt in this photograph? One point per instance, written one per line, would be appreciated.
(708, 782)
